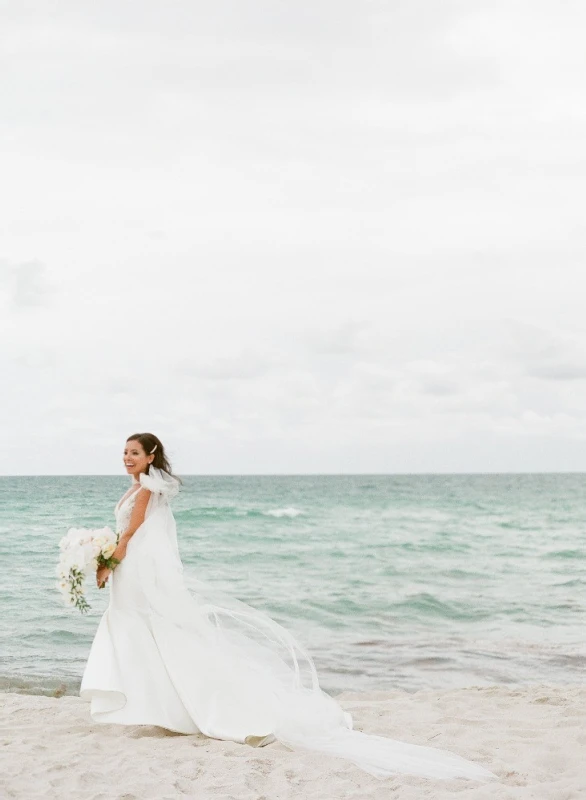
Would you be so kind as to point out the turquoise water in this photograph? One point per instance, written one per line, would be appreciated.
(391, 581)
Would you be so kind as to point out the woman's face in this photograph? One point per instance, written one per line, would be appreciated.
(135, 458)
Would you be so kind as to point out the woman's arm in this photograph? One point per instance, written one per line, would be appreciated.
(136, 520)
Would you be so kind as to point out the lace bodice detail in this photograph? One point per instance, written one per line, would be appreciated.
(123, 512)
(160, 484)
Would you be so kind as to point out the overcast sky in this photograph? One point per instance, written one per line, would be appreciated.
(293, 237)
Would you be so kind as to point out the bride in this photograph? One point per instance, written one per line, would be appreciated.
(189, 658)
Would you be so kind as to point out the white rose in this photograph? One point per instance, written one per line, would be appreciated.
(108, 549)
(108, 535)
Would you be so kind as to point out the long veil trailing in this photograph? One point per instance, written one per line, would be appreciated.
(240, 673)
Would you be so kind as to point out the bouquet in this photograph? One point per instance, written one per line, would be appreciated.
(83, 551)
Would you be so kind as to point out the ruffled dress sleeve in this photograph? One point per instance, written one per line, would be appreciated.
(160, 483)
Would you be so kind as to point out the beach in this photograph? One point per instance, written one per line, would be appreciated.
(533, 738)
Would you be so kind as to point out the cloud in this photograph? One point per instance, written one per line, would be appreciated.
(346, 338)
(431, 377)
(245, 365)
(26, 285)
(549, 355)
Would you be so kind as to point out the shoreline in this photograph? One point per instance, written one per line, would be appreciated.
(533, 737)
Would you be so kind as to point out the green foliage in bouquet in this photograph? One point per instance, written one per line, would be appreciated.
(76, 595)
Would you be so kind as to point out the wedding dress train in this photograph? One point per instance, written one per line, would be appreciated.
(198, 660)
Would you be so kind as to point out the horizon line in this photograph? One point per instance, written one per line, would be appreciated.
(301, 474)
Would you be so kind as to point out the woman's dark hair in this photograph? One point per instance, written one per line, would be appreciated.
(148, 442)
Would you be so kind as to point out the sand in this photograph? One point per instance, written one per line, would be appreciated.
(533, 738)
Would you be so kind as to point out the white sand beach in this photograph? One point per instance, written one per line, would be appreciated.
(533, 738)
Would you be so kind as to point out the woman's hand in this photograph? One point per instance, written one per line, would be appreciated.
(102, 575)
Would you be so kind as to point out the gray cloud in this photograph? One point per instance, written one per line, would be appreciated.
(242, 366)
(31, 286)
(26, 285)
(559, 371)
(549, 355)
(347, 338)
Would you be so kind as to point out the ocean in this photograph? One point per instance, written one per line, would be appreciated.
(391, 581)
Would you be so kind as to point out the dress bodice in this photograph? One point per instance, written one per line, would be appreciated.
(123, 511)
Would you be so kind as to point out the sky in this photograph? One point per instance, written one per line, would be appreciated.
(287, 237)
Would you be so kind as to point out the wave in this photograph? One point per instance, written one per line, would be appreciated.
(578, 554)
(428, 605)
(235, 511)
(47, 685)
(282, 512)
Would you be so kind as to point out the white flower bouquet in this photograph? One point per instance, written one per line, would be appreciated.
(83, 551)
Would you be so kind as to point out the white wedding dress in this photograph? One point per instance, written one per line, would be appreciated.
(194, 659)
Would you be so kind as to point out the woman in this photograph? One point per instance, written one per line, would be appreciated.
(197, 660)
